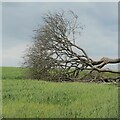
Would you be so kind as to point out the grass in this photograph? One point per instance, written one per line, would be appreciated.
(24, 98)
(13, 73)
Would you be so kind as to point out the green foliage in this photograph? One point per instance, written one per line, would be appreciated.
(24, 98)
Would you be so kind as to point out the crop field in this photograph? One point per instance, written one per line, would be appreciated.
(25, 98)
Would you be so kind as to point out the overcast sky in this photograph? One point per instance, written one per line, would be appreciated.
(99, 38)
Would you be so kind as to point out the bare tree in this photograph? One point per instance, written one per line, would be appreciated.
(54, 53)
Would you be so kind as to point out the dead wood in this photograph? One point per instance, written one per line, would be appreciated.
(55, 54)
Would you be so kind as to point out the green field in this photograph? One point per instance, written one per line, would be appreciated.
(25, 98)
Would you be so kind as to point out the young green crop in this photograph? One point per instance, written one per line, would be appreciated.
(25, 98)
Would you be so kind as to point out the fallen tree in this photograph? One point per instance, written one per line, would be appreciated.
(54, 54)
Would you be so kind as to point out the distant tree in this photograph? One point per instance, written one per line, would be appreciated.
(54, 54)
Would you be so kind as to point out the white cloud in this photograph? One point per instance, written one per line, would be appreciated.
(60, 0)
(98, 39)
(0, 34)
(13, 56)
